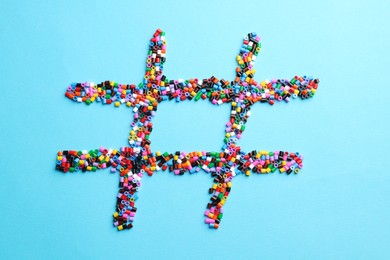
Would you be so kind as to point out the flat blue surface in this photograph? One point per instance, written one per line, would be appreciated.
(336, 208)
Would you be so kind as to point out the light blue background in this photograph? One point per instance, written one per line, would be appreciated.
(337, 208)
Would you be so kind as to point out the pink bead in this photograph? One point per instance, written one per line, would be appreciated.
(209, 221)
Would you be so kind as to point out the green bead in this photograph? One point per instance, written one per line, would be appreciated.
(293, 80)
(198, 96)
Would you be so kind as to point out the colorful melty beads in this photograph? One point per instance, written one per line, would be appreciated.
(137, 159)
